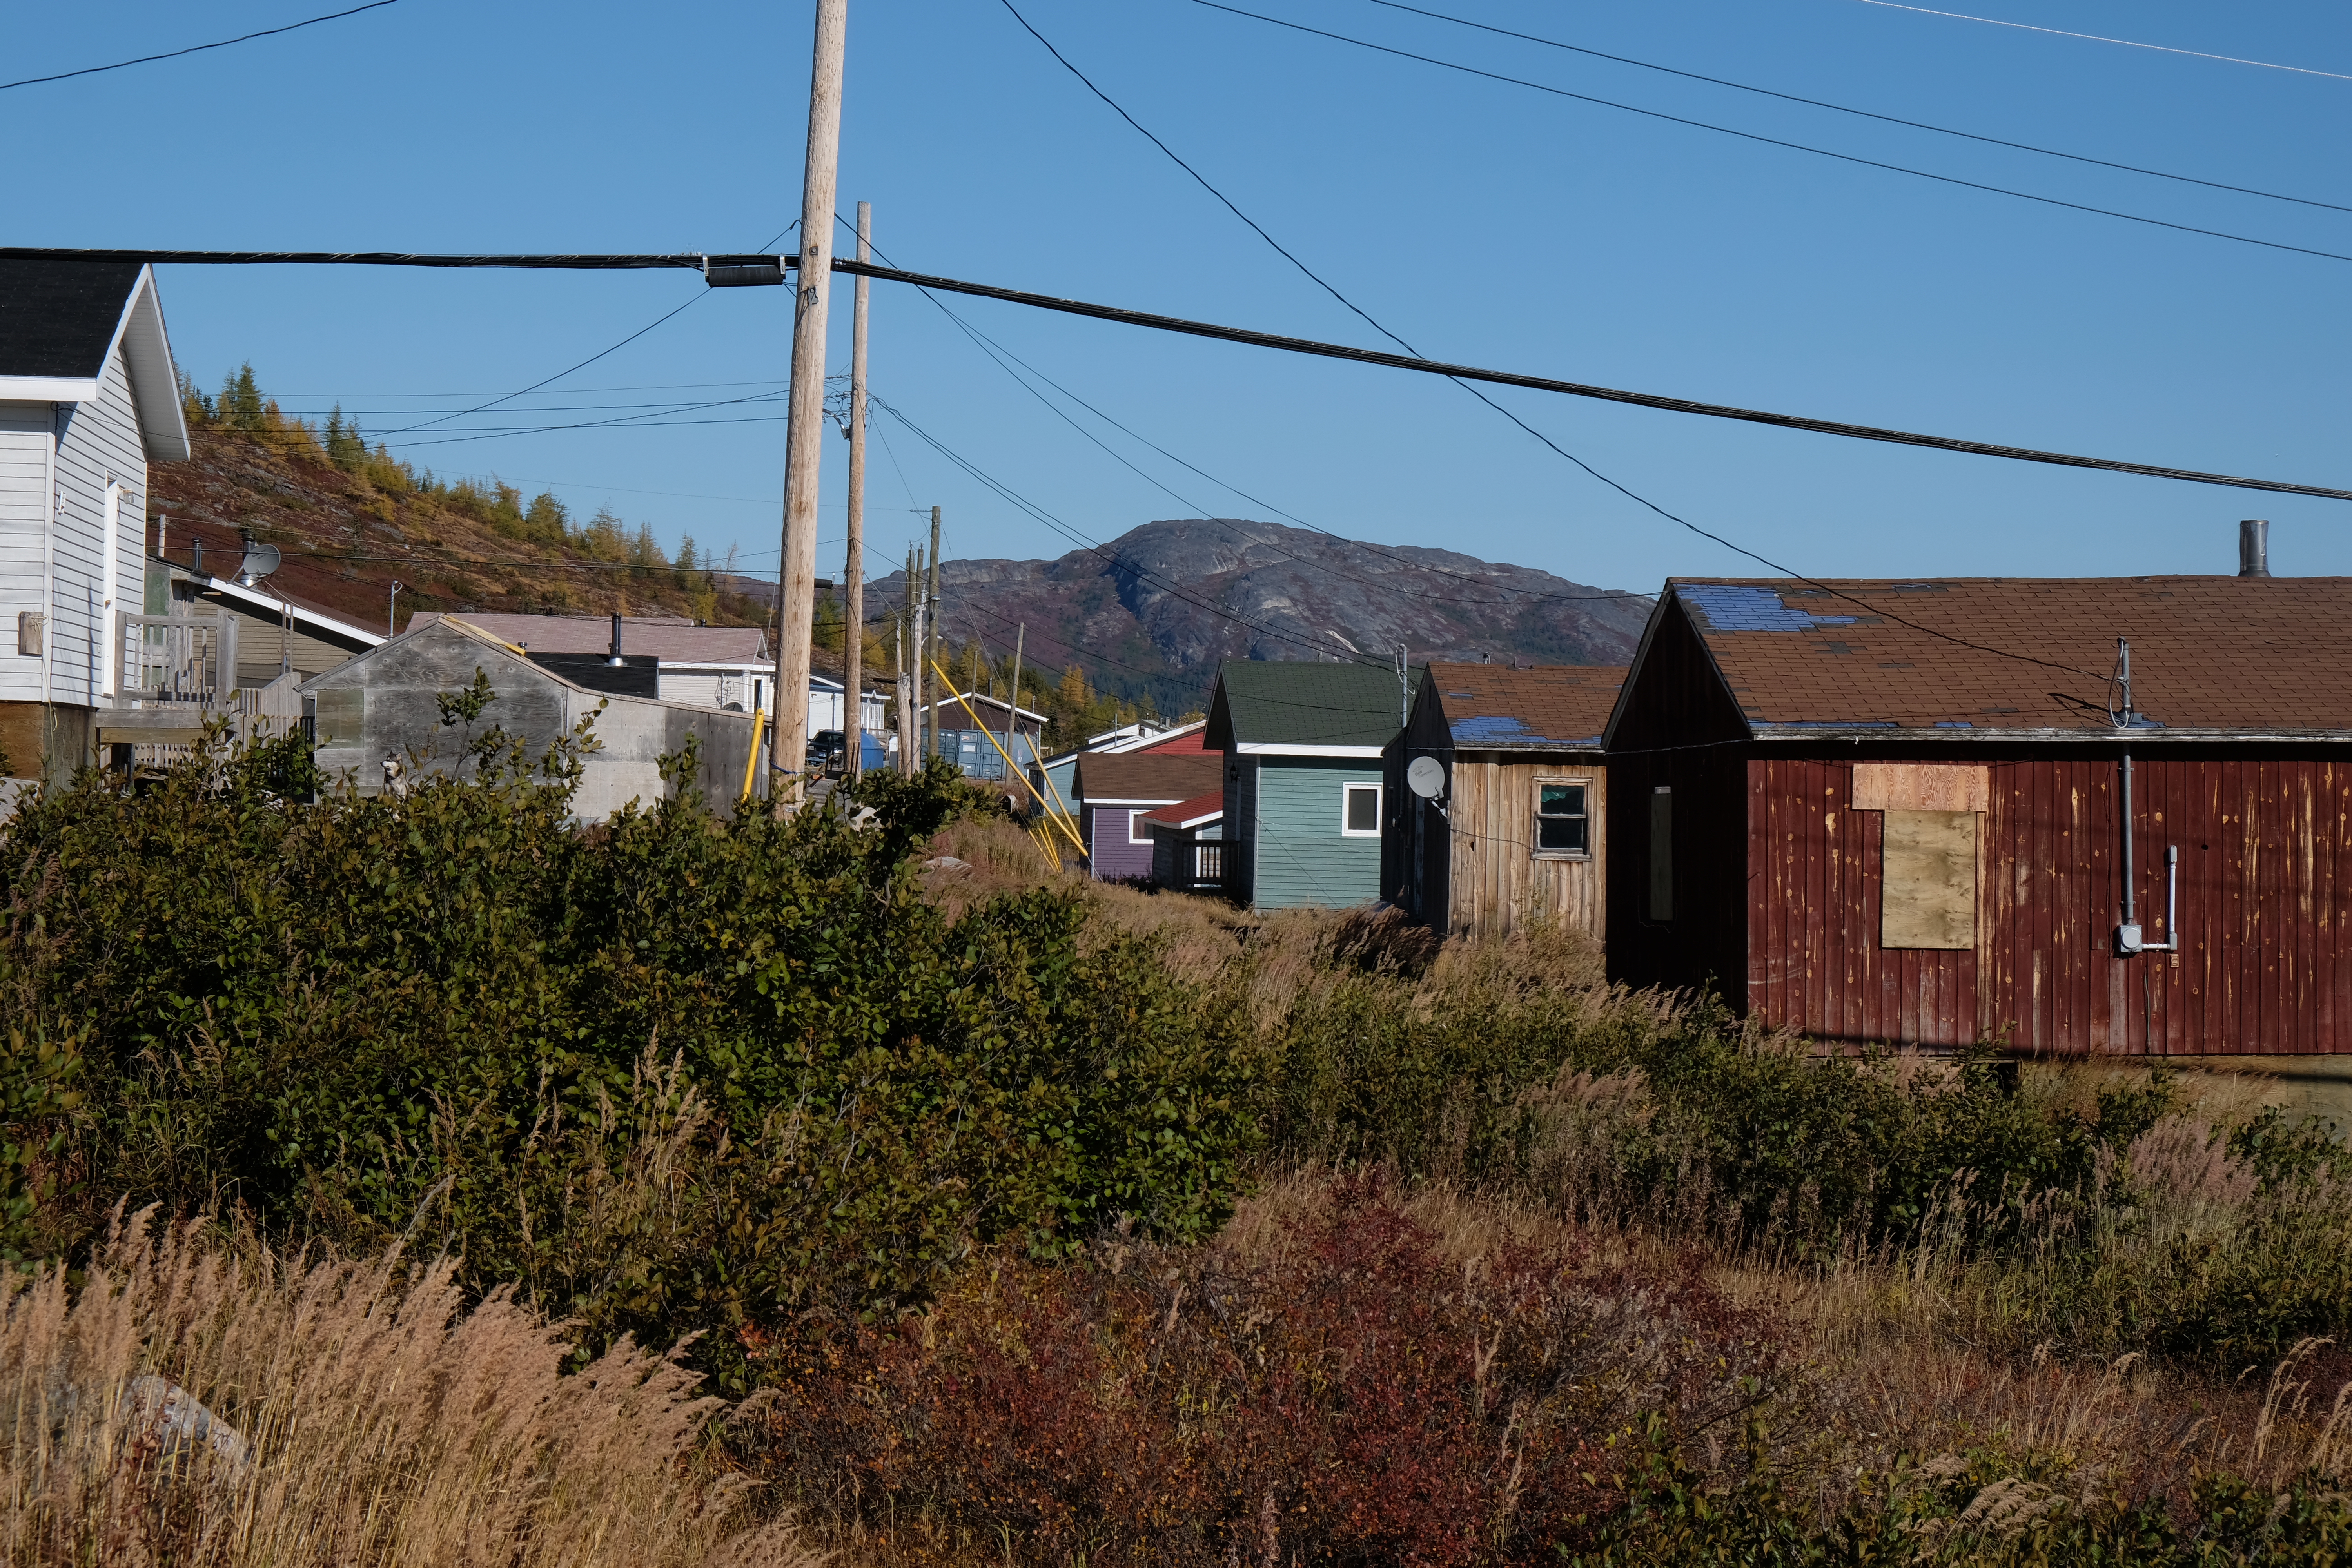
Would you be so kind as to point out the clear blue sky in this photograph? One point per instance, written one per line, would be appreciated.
(1486, 223)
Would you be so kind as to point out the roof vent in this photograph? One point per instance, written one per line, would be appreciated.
(2253, 547)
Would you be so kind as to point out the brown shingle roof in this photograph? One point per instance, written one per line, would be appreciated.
(1493, 706)
(673, 640)
(1162, 776)
(2226, 654)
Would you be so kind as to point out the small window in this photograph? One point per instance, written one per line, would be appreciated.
(1137, 830)
(1361, 811)
(1563, 827)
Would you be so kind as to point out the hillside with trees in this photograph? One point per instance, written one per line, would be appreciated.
(350, 519)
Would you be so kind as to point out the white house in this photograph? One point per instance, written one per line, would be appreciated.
(89, 397)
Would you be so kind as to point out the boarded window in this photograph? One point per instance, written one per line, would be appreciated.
(1928, 885)
(1562, 823)
(1661, 853)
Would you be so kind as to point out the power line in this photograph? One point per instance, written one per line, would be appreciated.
(592, 359)
(2101, 38)
(1404, 361)
(1141, 573)
(198, 48)
(1569, 388)
(991, 347)
(1644, 501)
(1864, 113)
(1773, 141)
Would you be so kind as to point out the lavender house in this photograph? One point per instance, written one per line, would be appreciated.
(1117, 788)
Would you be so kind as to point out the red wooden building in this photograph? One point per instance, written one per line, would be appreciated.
(1896, 811)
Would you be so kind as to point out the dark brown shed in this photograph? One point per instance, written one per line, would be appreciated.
(1894, 812)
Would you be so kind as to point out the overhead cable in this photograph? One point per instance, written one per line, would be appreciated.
(1570, 388)
(2103, 38)
(1462, 382)
(1848, 109)
(1435, 367)
(199, 48)
(998, 355)
(1773, 141)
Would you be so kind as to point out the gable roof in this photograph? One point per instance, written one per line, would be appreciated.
(1184, 737)
(951, 707)
(673, 640)
(59, 322)
(1495, 707)
(1197, 812)
(1157, 778)
(1301, 709)
(2027, 657)
(269, 605)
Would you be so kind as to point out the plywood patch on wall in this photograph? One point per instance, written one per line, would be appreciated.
(1928, 885)
(1922, 786)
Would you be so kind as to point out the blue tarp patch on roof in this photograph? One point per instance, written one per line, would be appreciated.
(1738, 607)
(1497, 729)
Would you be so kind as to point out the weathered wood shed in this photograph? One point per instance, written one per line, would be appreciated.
(383, 705)
(1920, 812)
(1514, 834)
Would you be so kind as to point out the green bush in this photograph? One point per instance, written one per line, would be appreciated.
(1980, 1510)
(673, 1072)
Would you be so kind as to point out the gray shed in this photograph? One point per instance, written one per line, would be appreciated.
(381, 704)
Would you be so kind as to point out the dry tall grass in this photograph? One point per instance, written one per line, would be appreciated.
(366, 1417)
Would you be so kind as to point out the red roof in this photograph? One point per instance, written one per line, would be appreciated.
(1193, 736)
(1189, 813)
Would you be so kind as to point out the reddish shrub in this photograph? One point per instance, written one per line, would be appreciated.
(1346, 1397)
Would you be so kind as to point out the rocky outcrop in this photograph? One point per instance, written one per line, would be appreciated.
(1175, 598)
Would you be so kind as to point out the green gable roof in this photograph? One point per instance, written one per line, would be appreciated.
(1274, 706)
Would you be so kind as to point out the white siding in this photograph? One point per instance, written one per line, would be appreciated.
(24, 519)
(97, 441)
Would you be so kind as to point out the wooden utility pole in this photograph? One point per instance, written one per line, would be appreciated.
(910, 626)
(932, 626)
(1013, 724)
(804, 414)
(852, 575)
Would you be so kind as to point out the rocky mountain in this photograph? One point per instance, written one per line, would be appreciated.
(1158, 608)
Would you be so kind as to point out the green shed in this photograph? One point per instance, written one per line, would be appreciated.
(1308, 796)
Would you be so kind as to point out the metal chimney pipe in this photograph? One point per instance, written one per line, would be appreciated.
(616, 660)
(2253, 547)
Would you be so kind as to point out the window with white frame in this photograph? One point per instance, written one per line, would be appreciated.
(1563, 819)
(1137, 830)
(1360, 811)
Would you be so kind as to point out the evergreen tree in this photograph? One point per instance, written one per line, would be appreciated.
(606, 537)
(346, 448)
(548, 520)
(195, 405)
(240, 403)
(646, 552)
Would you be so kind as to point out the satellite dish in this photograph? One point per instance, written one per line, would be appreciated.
(260, 561)
(1425, 777)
